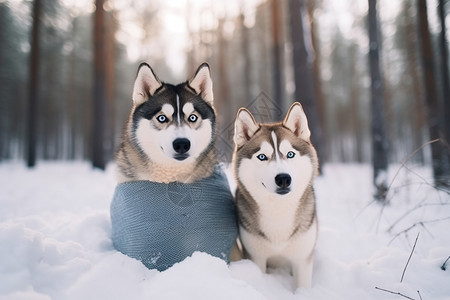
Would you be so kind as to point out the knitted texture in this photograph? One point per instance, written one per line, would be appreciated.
(162, 224)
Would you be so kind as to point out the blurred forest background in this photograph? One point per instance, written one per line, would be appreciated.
(368, 84)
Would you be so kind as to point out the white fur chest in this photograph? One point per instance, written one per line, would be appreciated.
(277, 217)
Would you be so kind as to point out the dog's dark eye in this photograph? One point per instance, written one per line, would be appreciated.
(290, 154)
(262, 157)
(193, 118)
(162, 119)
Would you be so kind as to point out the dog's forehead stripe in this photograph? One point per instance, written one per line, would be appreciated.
(167, 109)
(275, 143)
(178, 110)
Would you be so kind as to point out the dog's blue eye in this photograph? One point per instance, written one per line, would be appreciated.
(162, 119)
(193, 118)
(262, 157)
(290, 154)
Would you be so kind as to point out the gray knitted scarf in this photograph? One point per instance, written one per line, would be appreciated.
(162, 224)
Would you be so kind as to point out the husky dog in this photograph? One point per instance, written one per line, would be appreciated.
(274, 166)
(170, 132)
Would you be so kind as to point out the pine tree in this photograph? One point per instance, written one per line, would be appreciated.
(277, 51)
(379, 145)
(99, 100)
(33, 94)
(303, 68)
(434, 117)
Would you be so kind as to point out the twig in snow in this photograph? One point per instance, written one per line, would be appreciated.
(420, 205)
(409, 258)
(395, 293)
(414, 225)
(437, 188)
(381, 214)
(403, 163)
(444, 265)
(362, 210)
(420, 296)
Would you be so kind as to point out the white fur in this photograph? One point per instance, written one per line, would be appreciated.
(188, 108)
(275, 142)
(158, 144)
(298, 251)
(167, 110)
(178, 110)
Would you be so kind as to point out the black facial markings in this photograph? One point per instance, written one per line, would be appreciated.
(167, 94)
(151, 107)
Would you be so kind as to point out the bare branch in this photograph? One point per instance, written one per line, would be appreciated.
(403, 163)
(413, 209)
(414, 225)
(409, 258)
(444, 265)
(395, 293)
(406, 214)
(437, 188)
(420, 296)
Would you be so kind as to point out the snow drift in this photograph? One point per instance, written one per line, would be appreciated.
(55, 242)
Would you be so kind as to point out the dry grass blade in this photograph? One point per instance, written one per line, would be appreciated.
(395, 293)
(409, 258)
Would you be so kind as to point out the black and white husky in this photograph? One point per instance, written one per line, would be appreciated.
(170, 133)
(274, 166)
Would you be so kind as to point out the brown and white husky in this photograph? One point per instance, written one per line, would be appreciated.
(274, 166)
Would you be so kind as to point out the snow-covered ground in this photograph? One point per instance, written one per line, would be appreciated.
(55, 242)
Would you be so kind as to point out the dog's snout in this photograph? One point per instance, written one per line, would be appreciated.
(283, 180)
(181, 145)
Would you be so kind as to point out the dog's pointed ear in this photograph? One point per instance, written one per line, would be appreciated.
(202, 84)
(297, 122)
(245, 127)
(145, 85)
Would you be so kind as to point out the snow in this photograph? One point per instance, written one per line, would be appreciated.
(55, 242)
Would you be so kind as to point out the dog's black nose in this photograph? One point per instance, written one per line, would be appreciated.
(181, 145)
(283, 180)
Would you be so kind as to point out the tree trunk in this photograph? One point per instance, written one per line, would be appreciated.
(321, 111)
(33, 96)
(223, 99)
(71, 97)
(247, 62)
(444, 69)
(431, 96)
(277, 50)
(379, 145)
(99, 100)
(355, 97)
(414, 71)
(445, 93)
(110, 58)
(303, 57)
